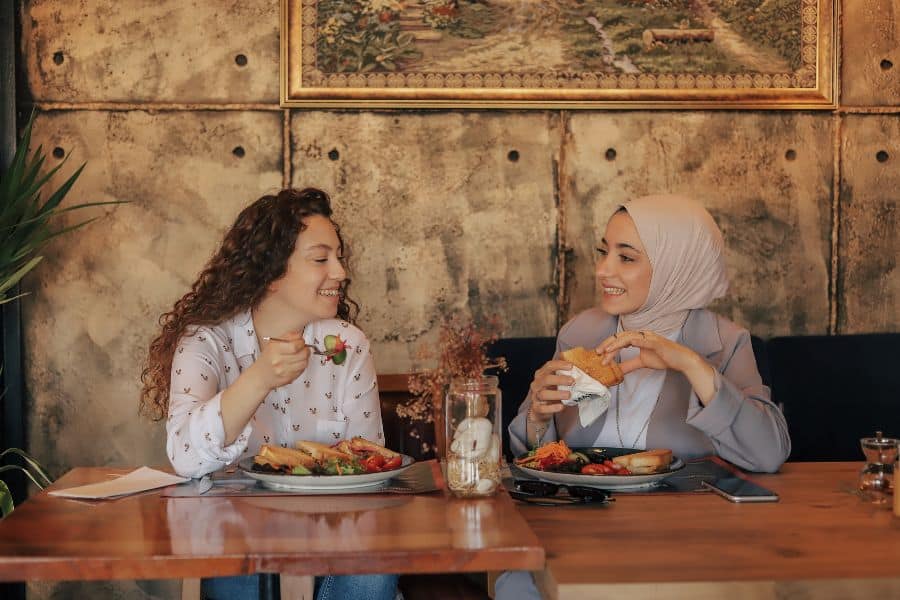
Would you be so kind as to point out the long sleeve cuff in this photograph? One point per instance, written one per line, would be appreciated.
(208, 434)
(518, 434)
(720, 413)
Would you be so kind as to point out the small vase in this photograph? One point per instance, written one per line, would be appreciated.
(472, 436)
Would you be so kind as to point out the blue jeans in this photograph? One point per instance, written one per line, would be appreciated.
(516, 585)
(329, 587)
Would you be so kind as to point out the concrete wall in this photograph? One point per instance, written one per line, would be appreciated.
(439, 215)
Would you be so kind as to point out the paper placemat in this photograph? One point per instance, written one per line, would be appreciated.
(417, 479)
(139, 480)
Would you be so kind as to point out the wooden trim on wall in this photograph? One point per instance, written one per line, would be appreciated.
(393, 382)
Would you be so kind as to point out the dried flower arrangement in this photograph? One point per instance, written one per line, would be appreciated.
(463, 353)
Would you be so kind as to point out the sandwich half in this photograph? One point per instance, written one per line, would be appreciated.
(360, 444)
(592, 363)
(644, 463)
(279, 458)
(321, 451)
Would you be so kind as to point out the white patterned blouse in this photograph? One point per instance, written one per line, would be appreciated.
(327, 403)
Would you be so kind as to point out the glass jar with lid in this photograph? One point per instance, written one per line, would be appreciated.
(876, 479)
(472, 418)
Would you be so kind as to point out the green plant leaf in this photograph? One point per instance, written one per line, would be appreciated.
(4, 300)
(71, 228)
(31, 191)
(33, 167)
(27, 472)
(32, 463)
(6, 502)
(25, 221)
(13, 279)
(14, 173)
(68, 208)
(59, 194)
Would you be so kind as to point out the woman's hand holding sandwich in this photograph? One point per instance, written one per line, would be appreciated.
(546, 399)
(658, 352)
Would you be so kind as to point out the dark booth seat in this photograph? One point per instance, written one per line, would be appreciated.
(833, 389)
(523, 357)
(836, 390)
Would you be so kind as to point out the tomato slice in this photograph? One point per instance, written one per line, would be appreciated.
(392, 463)
(595, 469)
(374, 463)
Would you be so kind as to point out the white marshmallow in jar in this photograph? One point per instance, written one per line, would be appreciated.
(472, 416)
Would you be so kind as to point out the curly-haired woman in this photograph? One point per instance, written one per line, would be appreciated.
(233, 367)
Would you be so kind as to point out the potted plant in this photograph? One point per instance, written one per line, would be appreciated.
(25, 228)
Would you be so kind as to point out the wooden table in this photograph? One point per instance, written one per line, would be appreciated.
(819, 541)
(149, 537)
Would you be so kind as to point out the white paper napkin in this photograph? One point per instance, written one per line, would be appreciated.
(591, 396)
(139, 480)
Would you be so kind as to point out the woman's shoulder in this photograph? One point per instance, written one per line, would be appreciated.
(214, 336)
(708, 329)
(588, 328)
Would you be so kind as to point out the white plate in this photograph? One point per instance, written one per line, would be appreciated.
(606, 482)
(319, 483)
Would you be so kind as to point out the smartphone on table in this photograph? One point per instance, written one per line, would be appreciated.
(736, 489)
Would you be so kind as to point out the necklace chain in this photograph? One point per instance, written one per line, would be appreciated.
(619, 427)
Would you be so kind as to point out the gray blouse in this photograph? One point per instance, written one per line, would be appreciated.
(740, 424)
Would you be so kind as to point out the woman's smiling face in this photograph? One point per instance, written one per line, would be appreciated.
(623, 268)
(311, 286)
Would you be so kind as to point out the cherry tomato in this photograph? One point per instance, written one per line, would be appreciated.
(373, 463)
(595, 469)
(392, 463)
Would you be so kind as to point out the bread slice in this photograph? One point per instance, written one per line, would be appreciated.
(344, 446)
(360, 444)
(321, 451)
(592, 363)
(649, 461)
(278, 457)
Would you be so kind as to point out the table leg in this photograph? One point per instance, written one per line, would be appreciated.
(190, 589)
(297, 587)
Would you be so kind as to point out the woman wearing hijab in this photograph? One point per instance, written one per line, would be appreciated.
(691, 380)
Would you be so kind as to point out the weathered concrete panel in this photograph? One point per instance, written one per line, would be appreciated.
(439, 217)
(870, 69)
(868, 274)
(775, 213)
(96, 298)
(151, 50)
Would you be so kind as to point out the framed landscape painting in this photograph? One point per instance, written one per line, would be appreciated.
(559, 53)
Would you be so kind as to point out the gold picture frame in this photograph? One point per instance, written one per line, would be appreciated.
(589, 54)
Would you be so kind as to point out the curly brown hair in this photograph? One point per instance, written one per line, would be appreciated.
(253, 254)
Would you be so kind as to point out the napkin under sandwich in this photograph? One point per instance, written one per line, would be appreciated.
(590, 396)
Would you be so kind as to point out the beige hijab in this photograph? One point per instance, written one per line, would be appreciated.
(687, 253)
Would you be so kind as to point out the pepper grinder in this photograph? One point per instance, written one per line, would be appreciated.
(877, 477)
